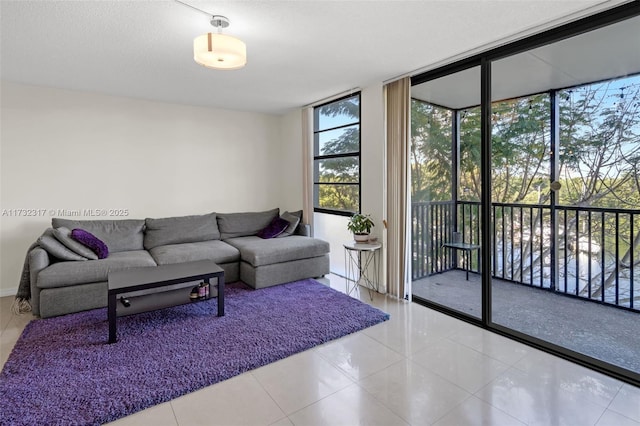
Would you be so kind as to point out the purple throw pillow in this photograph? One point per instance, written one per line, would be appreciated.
(275, 228)
(91, 241)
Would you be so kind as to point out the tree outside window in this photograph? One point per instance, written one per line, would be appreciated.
(337, 156)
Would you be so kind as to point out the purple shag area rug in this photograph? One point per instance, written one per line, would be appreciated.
(62, 371)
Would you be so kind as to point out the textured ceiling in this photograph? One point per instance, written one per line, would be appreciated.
(598, 55)
(298, 51)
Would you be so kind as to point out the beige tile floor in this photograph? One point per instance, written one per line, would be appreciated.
(419, 368)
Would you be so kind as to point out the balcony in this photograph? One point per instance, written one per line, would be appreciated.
(550, 142)
(575, 287)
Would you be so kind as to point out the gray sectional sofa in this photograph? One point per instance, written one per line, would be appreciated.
(230, 239)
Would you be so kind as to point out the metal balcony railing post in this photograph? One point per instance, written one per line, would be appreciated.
(455, 176)
(485, 197)
(605, 228)
(555, 138)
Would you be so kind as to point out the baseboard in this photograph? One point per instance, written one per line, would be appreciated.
(8, 292)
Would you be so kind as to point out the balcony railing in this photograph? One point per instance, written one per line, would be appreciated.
(596, 255)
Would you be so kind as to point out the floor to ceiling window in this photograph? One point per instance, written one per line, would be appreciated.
(336, 172)
(599, 162)
(445, 192)
(556, 123)
(336, 156)
(565, 197)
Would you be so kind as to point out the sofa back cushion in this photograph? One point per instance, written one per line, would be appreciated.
(118, 235)
(244, 224)
(182, 229)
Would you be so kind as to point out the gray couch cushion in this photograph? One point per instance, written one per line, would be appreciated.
(55, 248)
(243, 224)
(183, 229)
(268, 275)
(64, 300)
(214, 250)
(259, 252)
(63, 235)
(63, 274)
(118, 235)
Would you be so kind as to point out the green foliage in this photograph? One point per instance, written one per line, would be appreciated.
(339, 197)
(600, 144)
(360, 224)
(599, 148)
(520, 149)
(348, 141)
(469, 189)
(430, 152)
(520, 140)
(336, 174)
(349, 107)
(598, 165)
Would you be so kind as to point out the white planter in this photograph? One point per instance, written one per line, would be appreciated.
(361, 238)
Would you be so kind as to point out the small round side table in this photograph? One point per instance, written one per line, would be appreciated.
(358, 257)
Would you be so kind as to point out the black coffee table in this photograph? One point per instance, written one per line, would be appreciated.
(133, 280)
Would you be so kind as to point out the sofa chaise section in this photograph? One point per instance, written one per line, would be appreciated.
(272, 261)
(280, 260)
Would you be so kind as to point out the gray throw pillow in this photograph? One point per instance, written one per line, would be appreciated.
(182, 229)
(55, 248)
(301, 228)
(63, 235)
(118, 235)
(293, 224)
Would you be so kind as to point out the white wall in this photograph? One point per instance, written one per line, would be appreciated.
(372, 153)
(333, 229)
(290, 161)
(73, 150)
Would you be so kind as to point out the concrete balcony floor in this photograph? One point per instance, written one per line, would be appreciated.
(599, 331)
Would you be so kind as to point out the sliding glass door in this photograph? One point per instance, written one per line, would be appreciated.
(445, 192)
(525, 165)
(565, 192)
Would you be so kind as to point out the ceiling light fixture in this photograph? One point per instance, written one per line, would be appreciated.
(216, 50)
(219, 51)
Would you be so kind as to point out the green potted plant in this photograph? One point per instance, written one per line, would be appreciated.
(360, 225)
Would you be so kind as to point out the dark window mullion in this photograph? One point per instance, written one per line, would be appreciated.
(342, 126)
(342, 155)
(337, 183)
(332, 211)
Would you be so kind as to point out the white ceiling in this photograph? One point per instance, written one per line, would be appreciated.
(609, 52)
(298, 52)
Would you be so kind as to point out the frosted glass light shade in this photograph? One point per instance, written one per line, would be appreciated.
(219, 51)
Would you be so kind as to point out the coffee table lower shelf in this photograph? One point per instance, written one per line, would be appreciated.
(155, 301)
(157, 277)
